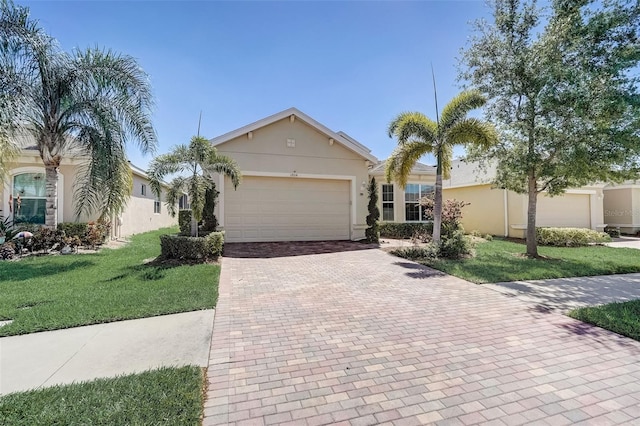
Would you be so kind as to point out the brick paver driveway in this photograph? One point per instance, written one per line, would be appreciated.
(362, 337)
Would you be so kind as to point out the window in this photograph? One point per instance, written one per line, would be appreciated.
(29, 198)
(412, 193)
(183, 202)
(156, 206)
(143, 189)
(387, 202)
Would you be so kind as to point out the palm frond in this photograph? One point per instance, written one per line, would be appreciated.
(177, 187)
(413, 125)
(225, 166)
(458, 108)
(402, 160)
(165, 165)
(471, 131)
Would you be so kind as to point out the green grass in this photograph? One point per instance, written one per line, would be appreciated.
(500, 260)
(622, 318)
(52, 292)
(172, 396)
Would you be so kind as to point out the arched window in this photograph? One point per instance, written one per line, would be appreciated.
(29, 198)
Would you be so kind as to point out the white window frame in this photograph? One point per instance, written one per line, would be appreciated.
(420, 208)
(157, 205)
(387, 202)
(143, 190)
(16, 193)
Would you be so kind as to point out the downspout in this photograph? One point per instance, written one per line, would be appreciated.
(506, 213)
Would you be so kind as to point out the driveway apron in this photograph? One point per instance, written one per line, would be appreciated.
(361, 337)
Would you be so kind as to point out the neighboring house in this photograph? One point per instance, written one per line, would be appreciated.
(300, 181)
(26, 179)
(501, 212)
(622, 206)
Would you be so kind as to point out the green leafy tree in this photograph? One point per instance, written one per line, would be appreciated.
(91, 103)
(562, 89)
(418, 135)
(373, 231)
(195, 165)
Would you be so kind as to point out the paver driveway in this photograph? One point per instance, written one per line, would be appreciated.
(362, 337)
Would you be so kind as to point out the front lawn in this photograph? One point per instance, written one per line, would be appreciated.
(501, 260)
(51, 292)
(172, 396)
(622, 318)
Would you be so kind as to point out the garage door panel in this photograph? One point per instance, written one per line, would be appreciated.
(287, 209)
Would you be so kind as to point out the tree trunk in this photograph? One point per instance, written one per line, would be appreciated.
(51, 187)
(437, 202)
(532, 244)
(194, 226)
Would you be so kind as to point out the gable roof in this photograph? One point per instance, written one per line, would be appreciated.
(339, 137)
(418, 169)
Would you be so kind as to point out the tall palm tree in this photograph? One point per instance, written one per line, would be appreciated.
(418, 135)
(89, 103)
(199, 161)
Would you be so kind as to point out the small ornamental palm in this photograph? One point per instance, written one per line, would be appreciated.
(196, 165)
(418, 135)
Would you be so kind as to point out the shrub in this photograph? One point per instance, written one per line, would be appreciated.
(570, 237)
(209, 222)
(456, 245)
(192, 248)
(7, 251)
(73, 242)
(613, 232)
(430, 251)
(372, 232)
(74, 229)
(45, 239)
(451, 212)
(184, 221)
(404, 230)
(97, 233)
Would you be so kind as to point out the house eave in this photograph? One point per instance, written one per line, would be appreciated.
(339, 137)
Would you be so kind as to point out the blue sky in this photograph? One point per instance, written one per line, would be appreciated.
(352, 65)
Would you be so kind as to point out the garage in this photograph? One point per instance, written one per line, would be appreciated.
(568, 210)
(287, 209)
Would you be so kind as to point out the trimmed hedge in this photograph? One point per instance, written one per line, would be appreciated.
(184, 221)
(570, 237)
(404, 230)
(192, 248)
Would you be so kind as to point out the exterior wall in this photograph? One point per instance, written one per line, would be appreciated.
(486, 210)
(622, 207)
(267, 154)
(139, 214)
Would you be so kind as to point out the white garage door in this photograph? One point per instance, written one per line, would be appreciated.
(568, 210)
(287, 209)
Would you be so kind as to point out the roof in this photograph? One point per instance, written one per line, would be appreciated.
(418, 169)
(340, 137)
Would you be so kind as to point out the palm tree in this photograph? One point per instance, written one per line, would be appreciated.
(418, 135)
(89, 103)
(200, 160)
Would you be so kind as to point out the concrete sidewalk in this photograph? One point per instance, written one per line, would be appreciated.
(105, 350)
(564, 294)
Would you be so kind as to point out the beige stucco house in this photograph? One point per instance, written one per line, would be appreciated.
(300, 181)
(304, 181)
(502, 212)
(26, 178)
(622, 206)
